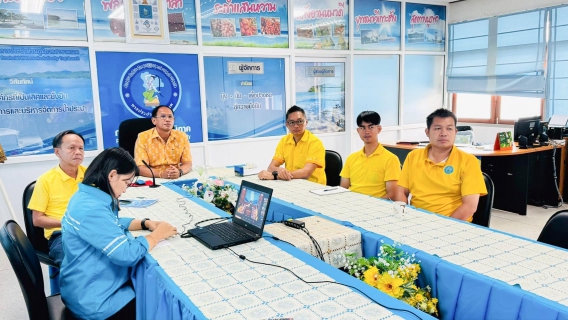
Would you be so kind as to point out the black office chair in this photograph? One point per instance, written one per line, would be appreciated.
(482, 215)
(35, 234)
(25, 263)
(464, 128)
(554, 231)
(128, 132)
(333, 165)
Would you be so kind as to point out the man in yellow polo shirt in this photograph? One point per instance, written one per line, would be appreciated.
(54, 188)
(302, 152)
(165, 150)
(442, 178)
(374, 170)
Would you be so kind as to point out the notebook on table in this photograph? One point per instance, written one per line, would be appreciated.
(247, 223)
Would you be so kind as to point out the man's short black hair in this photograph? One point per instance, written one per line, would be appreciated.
(58, 139)
(155, 111)
(368, 116)
(440, 113)
(295, 109)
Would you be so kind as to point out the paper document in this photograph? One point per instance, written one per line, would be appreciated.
(137, 203)
(329, 190)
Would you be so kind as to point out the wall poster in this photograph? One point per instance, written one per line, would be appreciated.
(146, 21)
(43, 91)
(244, 23)
(321, 24)
(246, 97)
(377, 25)
(425, 26)
(133, 84)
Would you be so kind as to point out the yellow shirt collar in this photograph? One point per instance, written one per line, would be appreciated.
(305, 137)
(155, 134)
(380, 149)
(64, 176)
(425, 155)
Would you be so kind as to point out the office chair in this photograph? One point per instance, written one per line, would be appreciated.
(464, 128)
(482, 215)
(128, 132)
(554, 231)
(25, 263)
(333, 165)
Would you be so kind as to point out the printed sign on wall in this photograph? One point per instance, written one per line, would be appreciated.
(132, 84)
(425, 27)
(377, 25)
(50, 19)
(245, 97)
(321, 24)
(244, 23)
(43, 91)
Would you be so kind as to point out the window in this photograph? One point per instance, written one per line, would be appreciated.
(482, 108)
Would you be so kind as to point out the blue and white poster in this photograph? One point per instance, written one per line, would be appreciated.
(50, 19)
(377, 25)
(108, 21)
(43, 91)
(320, 91)
(425, 27)
(321, 24)
(245, 23)
(246, 97)
(131, 85)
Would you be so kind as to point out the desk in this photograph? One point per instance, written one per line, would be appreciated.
(181, 279)
(521, 176)
(482, 262)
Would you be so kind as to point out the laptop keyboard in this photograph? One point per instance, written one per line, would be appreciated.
(227, 231)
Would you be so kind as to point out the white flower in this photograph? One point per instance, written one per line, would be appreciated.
(208, 196)
(233, 197)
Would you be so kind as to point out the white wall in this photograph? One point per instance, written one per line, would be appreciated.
(477, 9)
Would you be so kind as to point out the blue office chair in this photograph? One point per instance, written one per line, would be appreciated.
(482, 215)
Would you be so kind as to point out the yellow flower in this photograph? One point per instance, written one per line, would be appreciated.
(390, 285)
(419, 297)
(434, 300)
(370, 276)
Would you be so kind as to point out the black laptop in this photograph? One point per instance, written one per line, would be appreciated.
(247, 222)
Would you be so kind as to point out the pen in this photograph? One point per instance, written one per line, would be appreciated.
(324, 190)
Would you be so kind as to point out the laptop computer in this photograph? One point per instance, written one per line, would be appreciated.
(246, 224)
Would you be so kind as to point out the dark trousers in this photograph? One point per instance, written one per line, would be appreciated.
(56, 248)
(128, 312)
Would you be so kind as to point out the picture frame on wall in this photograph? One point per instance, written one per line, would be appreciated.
(146, 21)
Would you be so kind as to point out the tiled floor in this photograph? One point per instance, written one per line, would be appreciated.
(12, 305)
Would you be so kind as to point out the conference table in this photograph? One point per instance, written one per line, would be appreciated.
(475, 272)
(182, 279)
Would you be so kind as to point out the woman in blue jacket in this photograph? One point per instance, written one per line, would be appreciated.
(99, 252)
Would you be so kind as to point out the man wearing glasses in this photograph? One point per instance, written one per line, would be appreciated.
(302, 152)
(166, 150)
(374, 170)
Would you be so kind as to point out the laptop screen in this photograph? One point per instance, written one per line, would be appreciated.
(252, 205)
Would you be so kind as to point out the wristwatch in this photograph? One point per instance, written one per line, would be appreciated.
(143, 224)
(180, 172)
(275, 174)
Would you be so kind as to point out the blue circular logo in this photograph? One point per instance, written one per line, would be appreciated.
(448, 169)
(148, 83)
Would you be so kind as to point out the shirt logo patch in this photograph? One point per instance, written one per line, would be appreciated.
(448, 169)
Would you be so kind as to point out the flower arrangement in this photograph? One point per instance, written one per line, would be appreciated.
(394, 272)
(215, 191)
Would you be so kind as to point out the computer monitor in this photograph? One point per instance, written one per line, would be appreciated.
(525, 124)
(528, 128)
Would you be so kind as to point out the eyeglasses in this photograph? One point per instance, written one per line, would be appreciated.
(164, 116)
(363, 128)
(292, 123)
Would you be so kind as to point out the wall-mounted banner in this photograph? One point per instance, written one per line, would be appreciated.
(109, 24)
(43, 91)
(425, 27)
(132, 84)
(247, 103)
(321, 24)
(377, 25)
(320, 91)
(50, 19)
(245, 23)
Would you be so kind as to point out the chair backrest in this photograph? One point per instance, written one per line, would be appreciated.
(482, 215)
(464, 128)
(128, 132)
(26, 265)
(333, 165)
(554, 231)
